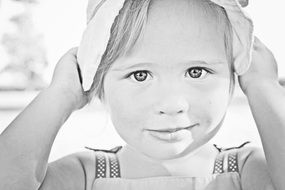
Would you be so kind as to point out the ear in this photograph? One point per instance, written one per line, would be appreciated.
(243, 3)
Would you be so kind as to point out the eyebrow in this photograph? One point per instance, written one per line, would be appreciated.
(145, 64)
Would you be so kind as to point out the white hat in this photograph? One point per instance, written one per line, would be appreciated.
(102, 13)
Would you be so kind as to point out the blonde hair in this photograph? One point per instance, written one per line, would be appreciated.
(126, 30)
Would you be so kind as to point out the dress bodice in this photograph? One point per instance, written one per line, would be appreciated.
(225, 181)
(225, 175)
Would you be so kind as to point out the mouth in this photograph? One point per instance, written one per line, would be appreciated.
(172, 135)
(172, 130)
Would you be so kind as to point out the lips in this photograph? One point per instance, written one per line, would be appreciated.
(172, 135)
(172, 130)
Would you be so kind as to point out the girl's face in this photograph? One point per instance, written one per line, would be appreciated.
(172, 90)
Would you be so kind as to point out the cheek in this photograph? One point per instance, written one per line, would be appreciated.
(125, 110)
(212, 102)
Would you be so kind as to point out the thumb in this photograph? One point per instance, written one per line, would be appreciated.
(73, 51)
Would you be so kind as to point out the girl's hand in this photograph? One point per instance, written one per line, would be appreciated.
(262, 69)
(67, 79)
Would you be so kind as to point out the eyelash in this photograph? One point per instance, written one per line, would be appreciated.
(208, 71)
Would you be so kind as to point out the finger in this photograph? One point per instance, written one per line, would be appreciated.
(243, 3)
(258, 45)
(73, 50)
(257, 40)
(70, 56)
(79, 73)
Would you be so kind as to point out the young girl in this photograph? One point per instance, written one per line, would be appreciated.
(167, 95)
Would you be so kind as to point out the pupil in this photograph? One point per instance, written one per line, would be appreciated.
(140, 76)
(196, 73)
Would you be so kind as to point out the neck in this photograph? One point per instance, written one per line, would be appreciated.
(203, 157)
(200, 162)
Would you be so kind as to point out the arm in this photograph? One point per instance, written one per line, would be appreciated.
(267, 103)
(75, 171)
(266, 98)
(254, 170)
(26, 143)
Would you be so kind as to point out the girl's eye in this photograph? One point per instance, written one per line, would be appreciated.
(197, 72)
(139, 76)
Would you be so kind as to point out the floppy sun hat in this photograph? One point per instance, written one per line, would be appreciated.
(101, 15)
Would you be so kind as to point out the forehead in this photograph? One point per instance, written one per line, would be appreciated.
(181, 29)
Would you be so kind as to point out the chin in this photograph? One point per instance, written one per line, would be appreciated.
(164, 152)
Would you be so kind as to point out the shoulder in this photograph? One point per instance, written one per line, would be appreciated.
(75, 171)
(253, 169)
(248, 153)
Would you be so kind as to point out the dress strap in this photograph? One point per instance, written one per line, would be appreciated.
(233, 162)
(101, 165)
(227, 160)
(107, 163)
(114, 166)
(219, 164)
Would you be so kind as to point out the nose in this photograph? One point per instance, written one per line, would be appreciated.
(172, 105)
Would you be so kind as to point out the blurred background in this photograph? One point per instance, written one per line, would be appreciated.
(34, 34)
